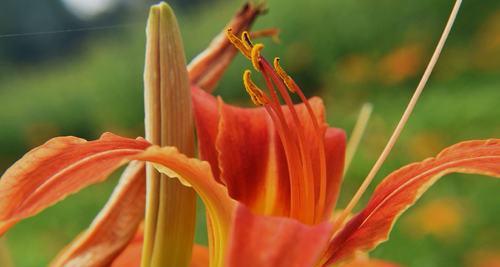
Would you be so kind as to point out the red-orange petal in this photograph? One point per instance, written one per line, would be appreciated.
(200, 256)
(236, 143)
(206, 113)
(245, 142)
(335, 145)
(402, 188)
(113, 227)
(131, 255)
(267, 241)
(198, 174)
(66, 164)
(195, 173)
(246, 154)
(60, 167)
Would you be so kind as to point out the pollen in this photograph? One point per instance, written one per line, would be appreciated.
(289, 82)
(256, 94)
(256, 56)
(245, 37)
(238, 43)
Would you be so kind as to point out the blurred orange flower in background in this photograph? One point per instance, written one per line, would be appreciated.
(442, 218)
(400, 64)
(488, 41)
(483, 258)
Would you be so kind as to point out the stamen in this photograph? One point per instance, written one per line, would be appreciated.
(246, 39)
(289, 82)
(256, 56)
(302, 179)
(238, 43)
(291, 156)
(270, 32)
(307, 171)
(256, 94)
(403, 120)
(289, 140)
(294, 88)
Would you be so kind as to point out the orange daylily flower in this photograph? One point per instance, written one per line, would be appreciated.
(269, 178)
(248, 154)
(263, 171)
(116, 224)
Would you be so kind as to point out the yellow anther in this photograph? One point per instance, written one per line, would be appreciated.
(238, 43)
(289, 82)
(256, 94)
(256, 56)
(245, 37)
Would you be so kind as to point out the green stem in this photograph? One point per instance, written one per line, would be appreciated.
(152, 203)
(5, 258)
(176, 217)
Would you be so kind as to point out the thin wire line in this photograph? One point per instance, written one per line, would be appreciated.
(97, 28)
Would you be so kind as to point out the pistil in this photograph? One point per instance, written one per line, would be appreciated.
(404, 118)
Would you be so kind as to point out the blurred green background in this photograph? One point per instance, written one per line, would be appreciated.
(86, 78)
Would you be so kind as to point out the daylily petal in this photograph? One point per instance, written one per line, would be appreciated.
(335, 145)
(66, 164)
(131, 255)
(200, 256)
(198, 174)
(206, 115)
(262, 241)
(246, 154)
(115, 225)
(191, 172)
(60, 167)
(248, 161)
(402, 188)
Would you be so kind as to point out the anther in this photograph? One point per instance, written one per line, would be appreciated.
(256, 56)
(238, 43)
(256, 94)
(245, 37)
(289, 82)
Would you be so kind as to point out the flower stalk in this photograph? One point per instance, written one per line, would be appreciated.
(5, 259)
(357, 134)
(170, 206)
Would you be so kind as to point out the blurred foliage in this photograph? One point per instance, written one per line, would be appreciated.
(349, 52)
